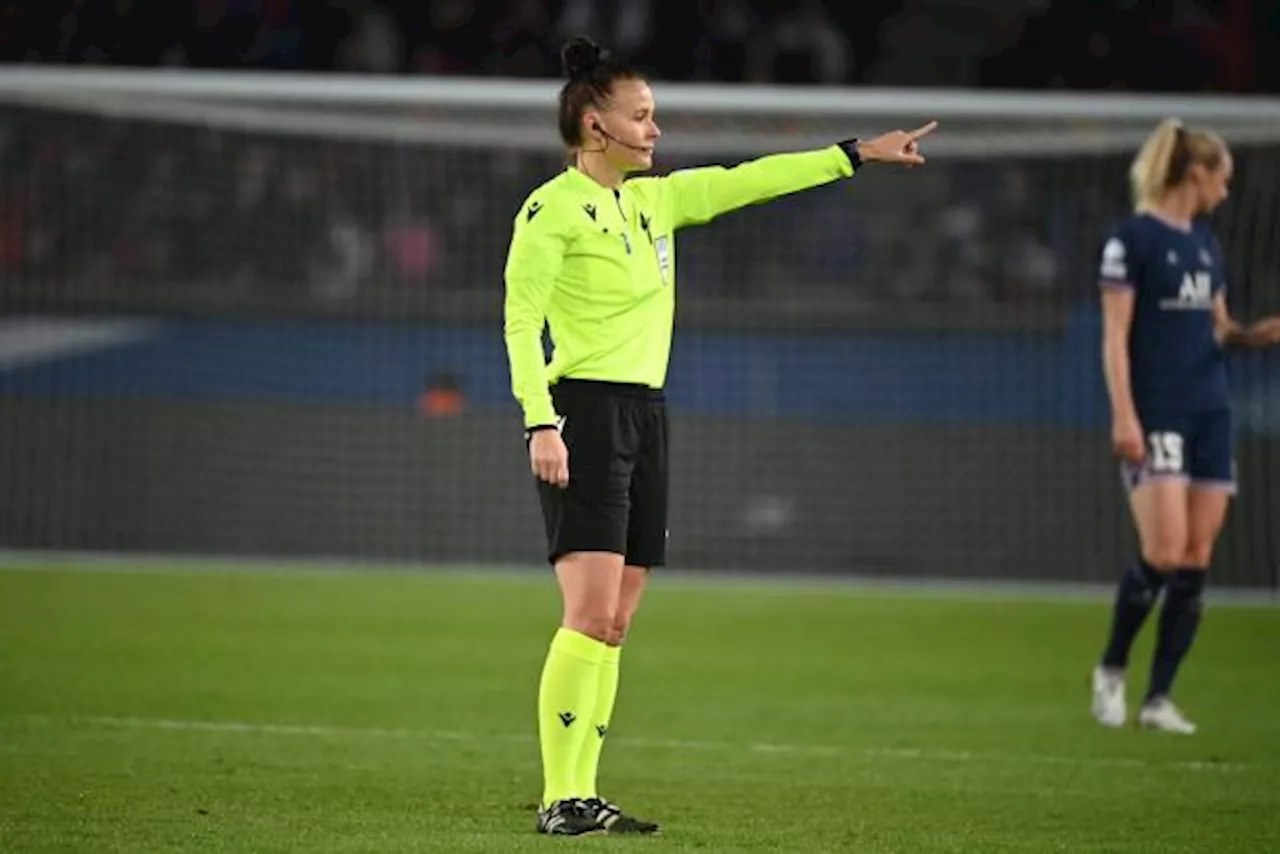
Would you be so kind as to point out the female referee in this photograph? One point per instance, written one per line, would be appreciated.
(1165, 327)
(593, 256)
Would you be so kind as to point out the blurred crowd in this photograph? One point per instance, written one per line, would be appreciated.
(1225, 45)
(108, 204)
(101, 204)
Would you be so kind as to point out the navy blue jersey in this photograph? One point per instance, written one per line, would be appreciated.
(1176, 364)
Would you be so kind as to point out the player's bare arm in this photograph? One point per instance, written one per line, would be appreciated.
(1232, 333)
(1126, 429)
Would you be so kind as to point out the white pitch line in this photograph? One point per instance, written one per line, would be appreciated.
(790, 750)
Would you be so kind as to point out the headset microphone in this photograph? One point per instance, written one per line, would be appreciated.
(596, 127)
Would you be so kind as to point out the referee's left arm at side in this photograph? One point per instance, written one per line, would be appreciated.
(538, 243)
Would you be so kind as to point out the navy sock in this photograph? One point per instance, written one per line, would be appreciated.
(1179, 619)
(1135, 597)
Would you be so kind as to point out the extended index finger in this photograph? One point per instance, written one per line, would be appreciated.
(922, 131)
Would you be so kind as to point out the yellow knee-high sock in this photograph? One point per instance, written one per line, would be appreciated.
(606, 694)
(566, 699)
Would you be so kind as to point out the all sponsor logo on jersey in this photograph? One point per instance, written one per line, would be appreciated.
(1195, 293)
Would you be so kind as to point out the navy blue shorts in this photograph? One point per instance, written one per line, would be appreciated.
(1196, 446)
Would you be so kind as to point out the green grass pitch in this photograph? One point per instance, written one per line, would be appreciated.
(284, 710)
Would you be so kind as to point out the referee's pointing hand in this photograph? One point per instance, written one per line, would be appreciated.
(549, 458)
(897, 146)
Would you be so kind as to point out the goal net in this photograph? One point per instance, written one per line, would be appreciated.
(261, 315)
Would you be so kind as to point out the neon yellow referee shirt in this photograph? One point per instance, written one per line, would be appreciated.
(598, 267)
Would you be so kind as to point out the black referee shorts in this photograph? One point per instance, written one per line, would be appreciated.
(616, 500)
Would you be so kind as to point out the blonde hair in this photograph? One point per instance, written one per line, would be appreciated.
(1165, 157)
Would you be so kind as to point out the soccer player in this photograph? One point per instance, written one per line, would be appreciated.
(1165, 327)
(593, 256)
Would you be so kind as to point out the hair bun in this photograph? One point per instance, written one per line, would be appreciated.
(581, 57)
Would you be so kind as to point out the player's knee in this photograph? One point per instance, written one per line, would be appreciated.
(1198, 556)
(1165, 557)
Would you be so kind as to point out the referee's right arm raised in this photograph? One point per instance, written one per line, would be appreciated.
(538, 243)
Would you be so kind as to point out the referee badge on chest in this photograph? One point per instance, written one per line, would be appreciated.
(662, 246)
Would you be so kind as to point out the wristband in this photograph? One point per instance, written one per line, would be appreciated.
(850, 148)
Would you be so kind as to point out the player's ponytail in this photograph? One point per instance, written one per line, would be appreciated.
(1149, 174)
(1165, 158)
(592, 71)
